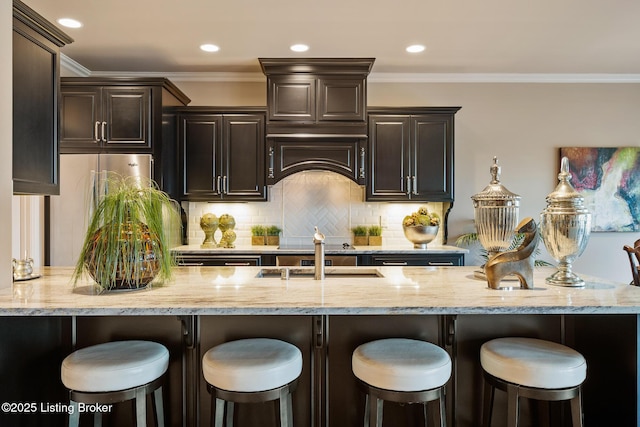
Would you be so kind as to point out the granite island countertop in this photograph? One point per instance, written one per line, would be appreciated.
(357, 250)
(238, 290)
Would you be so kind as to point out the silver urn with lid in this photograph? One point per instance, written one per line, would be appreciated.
(565, 226)
(496, 211)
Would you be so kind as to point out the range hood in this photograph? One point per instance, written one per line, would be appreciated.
(316, 115)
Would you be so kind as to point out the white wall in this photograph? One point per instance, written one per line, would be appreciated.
(523, 124)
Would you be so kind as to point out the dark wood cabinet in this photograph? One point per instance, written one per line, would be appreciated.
(315, 99)
(115, 115)
(222, 155)
(237, 260)
(316, 91)
(36, 89)
(427, 259)
(411, 154)
(107, 118)
(123, 115)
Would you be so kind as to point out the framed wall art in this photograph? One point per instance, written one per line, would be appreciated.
(609, 180)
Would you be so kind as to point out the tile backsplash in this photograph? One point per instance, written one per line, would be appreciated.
(301, 201)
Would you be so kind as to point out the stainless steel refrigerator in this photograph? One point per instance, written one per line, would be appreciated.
(81, 184)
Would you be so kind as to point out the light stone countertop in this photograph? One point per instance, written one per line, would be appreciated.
(237, 290)
(358, 250)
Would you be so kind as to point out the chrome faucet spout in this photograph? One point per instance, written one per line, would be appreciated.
(318, 242)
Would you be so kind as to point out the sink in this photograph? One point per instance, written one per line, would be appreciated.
(307, 272)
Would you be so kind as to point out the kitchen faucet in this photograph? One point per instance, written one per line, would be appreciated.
(318, 242)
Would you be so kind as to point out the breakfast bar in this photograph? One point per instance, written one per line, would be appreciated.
(204, 306)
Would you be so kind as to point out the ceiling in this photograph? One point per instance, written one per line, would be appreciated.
(462, 37)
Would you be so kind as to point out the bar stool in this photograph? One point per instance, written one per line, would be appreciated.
(531, 368)
(113, 372)
(401, 370)
(251, 370)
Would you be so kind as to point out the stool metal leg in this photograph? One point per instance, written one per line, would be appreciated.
(487, 404)
(74, 417)
(217, 417)
(286, 411)
(141, 408)
(513, 406)
(375, 411)
(576, 410)
(158, 406)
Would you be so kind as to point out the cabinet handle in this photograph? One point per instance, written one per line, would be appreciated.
(443, 263)
(218, 184)
(415, 185)
(408, 185)
(225, 189)
(362, 153)
(392, 263)
(237, 264)
(95, 131)
(271, 161)
(190, 264)
(104, 138)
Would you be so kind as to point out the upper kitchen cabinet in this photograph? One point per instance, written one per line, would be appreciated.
(222, 154)
(316, 90)
(411, 154)
(115, 115)
(36, 91)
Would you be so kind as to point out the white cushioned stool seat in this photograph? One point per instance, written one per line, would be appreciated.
(114, 366)
(250, 365)
(401, 364)
(401, 370)
(534, 369)
(533, 362)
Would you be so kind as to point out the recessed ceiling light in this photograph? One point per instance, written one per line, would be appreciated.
(207, 47)
(415, 48)
(299, 48)
(69, 23)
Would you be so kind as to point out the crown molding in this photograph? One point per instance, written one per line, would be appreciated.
(79, 70)
(75, 68)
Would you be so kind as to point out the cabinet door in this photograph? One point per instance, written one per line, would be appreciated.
(432, 158)
(389, 174)
(35, 113)
(341, 99)
(200, 139)
(126, 117)
(81, 119)
(243, 157)
(292, 98)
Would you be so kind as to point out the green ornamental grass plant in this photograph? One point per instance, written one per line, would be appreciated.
(126, 243)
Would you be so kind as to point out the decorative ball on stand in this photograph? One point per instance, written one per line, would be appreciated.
(209, 224)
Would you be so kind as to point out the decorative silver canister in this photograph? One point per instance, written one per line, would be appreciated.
(496, 212)
(565, 226)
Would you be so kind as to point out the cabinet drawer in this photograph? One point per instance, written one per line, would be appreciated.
(433, 260)
(214, 260)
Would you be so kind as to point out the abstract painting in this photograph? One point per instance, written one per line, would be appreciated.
(609, 180)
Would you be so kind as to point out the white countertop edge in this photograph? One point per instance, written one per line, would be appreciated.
(359, 250)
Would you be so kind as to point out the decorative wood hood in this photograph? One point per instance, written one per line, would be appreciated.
(316, 115)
